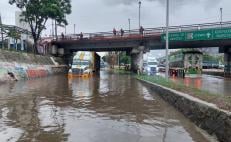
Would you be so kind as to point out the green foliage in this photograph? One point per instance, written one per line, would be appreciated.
(213, 58)
(14, 34)
(37, 12)
(124, 58)
(104, 58)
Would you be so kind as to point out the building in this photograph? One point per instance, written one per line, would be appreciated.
(18, 40)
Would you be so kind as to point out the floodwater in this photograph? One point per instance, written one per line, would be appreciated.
(106, 108)
(212, 84)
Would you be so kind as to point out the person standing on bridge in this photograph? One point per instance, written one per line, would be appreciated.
(114, 32)
(121, 32)
(62, 35)
(141, 30)
(81, 35)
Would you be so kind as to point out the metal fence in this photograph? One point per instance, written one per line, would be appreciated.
(148, 32)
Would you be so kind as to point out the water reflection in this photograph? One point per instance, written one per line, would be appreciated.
(109, 107)
(212, 84)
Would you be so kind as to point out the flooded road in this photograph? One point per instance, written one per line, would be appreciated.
(106, 108)
(212, 84)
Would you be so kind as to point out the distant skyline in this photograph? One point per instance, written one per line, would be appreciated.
(104, 15)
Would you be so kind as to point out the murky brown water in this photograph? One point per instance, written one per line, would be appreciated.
(109, 108)
(212, 84)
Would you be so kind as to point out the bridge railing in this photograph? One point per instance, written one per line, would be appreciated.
(148, 32)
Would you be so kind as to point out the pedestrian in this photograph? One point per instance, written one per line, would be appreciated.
(81, 35)
(121, 32)
(62, 35)
(114, 32)
(141, 30)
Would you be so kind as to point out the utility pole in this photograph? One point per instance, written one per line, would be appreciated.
(65, 28)
(2, 31)
(129, 25)
(139, 13)
(52, 28)
(74, 29)
(167, 40)
(56, 34)
(221, 15)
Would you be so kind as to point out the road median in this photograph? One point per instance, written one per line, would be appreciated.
(196, 105)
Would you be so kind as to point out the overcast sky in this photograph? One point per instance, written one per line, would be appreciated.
(104, 15)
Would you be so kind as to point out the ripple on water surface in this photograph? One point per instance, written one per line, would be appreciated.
(109, 107)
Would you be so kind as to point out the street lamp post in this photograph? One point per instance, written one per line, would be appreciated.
(74, 29)
(65, 26)
(167, 40)
(52, 28)
(139, 12)
(221, 15)
(1, 31)
(129, 25)
(56, 31)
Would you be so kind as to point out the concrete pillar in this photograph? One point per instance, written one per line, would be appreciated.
(137, 62)
(68, 58)
(227, 60)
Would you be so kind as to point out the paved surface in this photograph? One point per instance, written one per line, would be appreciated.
(109, 107)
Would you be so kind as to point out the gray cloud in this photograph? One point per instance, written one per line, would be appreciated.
(176, 3)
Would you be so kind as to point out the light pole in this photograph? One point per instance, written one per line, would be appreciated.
(65, 29)
(1, 31)
(167, 40)
(139, 12)
(74, 29)
(221, 15)
(129, 25)
(65, 26)
(52, 28)
(56, 32)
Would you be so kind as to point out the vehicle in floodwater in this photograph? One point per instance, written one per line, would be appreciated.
(186, 63)
(84, 64)
(150, 67)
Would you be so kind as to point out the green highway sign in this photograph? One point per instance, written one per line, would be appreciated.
(199, 35)
(222, 33)
(210, 34)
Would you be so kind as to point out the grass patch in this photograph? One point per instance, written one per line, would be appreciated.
(223, 102)
(121, 71)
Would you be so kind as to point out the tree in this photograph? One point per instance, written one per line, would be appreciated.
(124, 58)
(37, 12)
(13, 33)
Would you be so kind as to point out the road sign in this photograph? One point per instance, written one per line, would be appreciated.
(175, 36)
(222, 33)
(199, 35)
(210, 34)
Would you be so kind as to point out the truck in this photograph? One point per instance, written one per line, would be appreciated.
(151, 66)
(84, 64)
(186, 63)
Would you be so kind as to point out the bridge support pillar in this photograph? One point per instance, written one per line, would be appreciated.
(227, 60)
(137, 60)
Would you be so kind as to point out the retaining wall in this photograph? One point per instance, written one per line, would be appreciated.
(17, 66)
(205, 115)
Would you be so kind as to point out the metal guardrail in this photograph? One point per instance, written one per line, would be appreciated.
(148, 32)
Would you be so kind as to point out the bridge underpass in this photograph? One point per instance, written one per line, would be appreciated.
(135, 43)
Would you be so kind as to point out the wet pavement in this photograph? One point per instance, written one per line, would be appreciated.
(212, 84)
(105, 108)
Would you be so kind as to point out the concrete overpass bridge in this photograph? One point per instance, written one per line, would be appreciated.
(136, 43)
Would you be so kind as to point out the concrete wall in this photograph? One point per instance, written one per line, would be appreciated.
(205, 115)
(17, 66)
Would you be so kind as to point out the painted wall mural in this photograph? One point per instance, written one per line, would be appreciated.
(17, 71)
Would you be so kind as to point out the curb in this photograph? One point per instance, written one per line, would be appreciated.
(205, 115)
